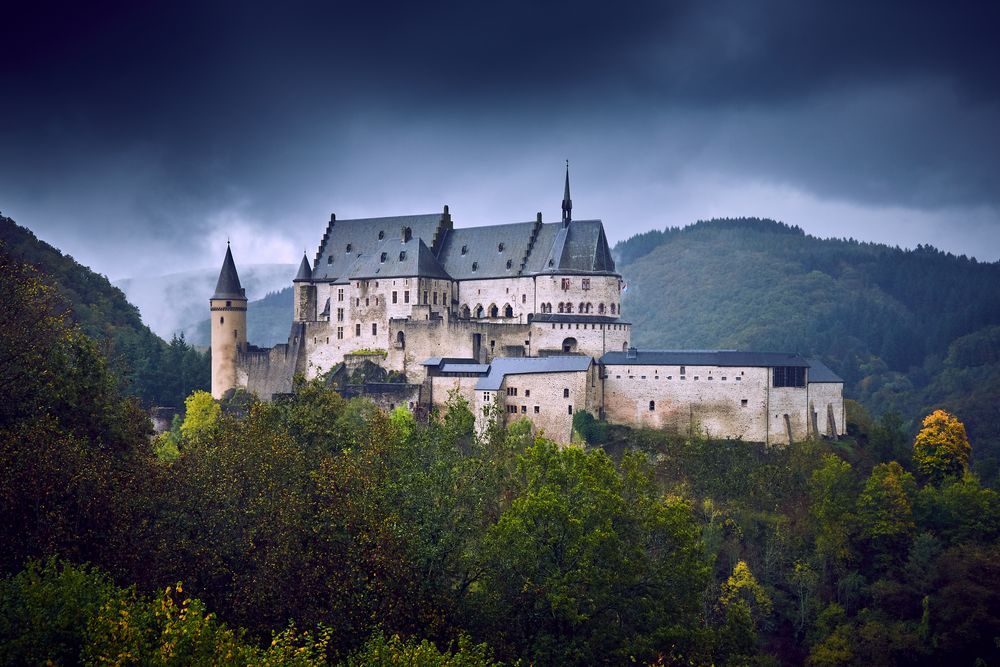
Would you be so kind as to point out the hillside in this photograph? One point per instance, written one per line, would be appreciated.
(157, 372)
(907, 329)
(172, 303)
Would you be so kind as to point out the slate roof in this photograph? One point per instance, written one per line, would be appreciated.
(352, 249)
(229, 286)
(820, 373)
(703, 358)
(334, 261)
(305, 273)
(501, 367)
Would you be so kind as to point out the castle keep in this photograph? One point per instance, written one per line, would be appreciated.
(525, 315)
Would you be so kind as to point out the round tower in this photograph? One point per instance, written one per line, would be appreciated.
(229, 326)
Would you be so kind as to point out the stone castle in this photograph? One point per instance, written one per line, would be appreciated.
(526, 316)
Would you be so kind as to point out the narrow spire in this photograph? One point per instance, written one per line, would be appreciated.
(567, 203)
(229, 286)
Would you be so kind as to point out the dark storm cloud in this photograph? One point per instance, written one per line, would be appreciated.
(133, 125)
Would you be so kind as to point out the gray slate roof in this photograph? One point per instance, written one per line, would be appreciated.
(501, 367)
(703, 358)
(229, 286)
(305, 273)
(352, 249)
(820, 373)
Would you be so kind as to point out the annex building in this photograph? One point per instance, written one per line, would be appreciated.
(526, 315)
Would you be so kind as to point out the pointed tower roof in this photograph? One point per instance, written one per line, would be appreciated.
(305, 273)
(229, 286)
(567, 203)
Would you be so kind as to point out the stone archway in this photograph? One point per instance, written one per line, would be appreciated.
(569, 345)
(401, 340)
(508, 310)
(493, 310)
(464, 311)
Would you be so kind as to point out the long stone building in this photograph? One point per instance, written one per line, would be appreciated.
(526, 315)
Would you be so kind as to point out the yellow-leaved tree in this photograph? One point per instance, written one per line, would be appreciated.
(942, 448)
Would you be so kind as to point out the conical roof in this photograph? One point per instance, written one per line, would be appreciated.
(229, 286)
(305, 273)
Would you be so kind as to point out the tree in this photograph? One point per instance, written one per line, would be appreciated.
(201, 418)
(885, 511)
(744, 603)
(833, 491)
(941, 448)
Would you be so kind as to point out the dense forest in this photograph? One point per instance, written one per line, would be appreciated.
(156, 372)
(908, 330)
(319, 530)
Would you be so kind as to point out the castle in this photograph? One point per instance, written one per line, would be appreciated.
(526, 316)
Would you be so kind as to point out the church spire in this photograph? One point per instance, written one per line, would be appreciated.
(567, 203)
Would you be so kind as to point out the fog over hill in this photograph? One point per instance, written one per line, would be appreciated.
(171, 303)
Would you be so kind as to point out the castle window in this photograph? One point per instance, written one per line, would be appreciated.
(569, 308)
(340, 333)
(229, 304)
(586, 283)
(465, 249)
(509, 263)
(499, 247)
(569, 409)
(382, 258)
(340, 314)
(475, 266)
(406, 296)
(524, 409)
(565, 392)
(652, 405)
(348, 248)
(357, 329)
(527, 393)
(561, 307)
(583, 307)
(683, 370)
(508, 311)
(600, 309)
(402, 255)
(612, 309)
(789, 376)
(395, 296)
(743, 402)
(435, 298)
(494, 311)
(340, 295)
(537, 410)
(381, 235)
(222, 320)
(357, 301)
(425, 297)
(552, 262)
(739, 379)
(565, 283)
(524, 298)
(723, 378)
(329, 259)
(695, 377)
(374, 328)
(367, 301)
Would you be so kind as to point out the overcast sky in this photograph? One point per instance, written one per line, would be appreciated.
(138, 136)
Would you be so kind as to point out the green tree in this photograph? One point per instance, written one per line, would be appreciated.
(885, 511)
(380, 651)
(590, 563)
(744, 604)
(202, 415)
(833, 491)
(941, 448)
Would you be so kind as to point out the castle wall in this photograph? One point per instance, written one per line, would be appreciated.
(269, 371)
(518, 293)
(713, 406)
(827, 402)
(596, 290)
(592, 338)
(452, 338)
(541, 398)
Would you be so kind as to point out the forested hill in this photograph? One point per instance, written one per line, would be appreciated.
(157, 372)
(906, 329)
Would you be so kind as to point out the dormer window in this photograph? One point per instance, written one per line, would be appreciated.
(382, 258)
(499, 247)
(475, 266)
(329, 259)
(402, 255)
(465, 249)
(509, 263)
(552, 262)
(348, 248)
(381, 235)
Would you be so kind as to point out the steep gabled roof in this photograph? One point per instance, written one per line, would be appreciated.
(580, 246)
(490, 248)
(229, 286)
(398, 260)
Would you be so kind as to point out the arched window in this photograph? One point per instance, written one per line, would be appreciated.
(569, 345)
(222, 320)
(494, 311)
(600, 309)
(583, 307)
(401, 340)
(589, 307)
(508, 311)
(465, 311)
(381, 235)
(612, 309)
(562, 307)
(479, 310)
(569, 308)
(652, 405)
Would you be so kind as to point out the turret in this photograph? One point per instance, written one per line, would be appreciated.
(229, 326)
(305, 293)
